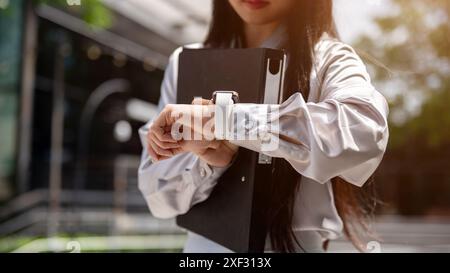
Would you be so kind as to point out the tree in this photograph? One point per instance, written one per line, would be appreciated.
(93, 12)
(414, 49)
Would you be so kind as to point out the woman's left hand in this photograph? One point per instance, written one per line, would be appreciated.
(216, 153)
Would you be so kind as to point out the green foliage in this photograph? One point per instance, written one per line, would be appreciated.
(414, 45)
(92, 11)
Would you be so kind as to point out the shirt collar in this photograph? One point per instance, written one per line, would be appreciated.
(277, 38)
(275, 41)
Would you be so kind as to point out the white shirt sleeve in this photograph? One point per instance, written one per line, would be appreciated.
(171, 187)
(342, 134)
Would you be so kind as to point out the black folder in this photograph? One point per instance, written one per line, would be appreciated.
(235, 214)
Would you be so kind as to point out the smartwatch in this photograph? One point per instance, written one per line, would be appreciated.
(222, 117)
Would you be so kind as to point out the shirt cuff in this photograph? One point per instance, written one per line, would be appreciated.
(257, 124)
(201, 172)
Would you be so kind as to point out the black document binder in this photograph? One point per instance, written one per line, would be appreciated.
(235, 213)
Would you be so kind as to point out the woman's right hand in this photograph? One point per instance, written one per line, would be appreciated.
(161, 144)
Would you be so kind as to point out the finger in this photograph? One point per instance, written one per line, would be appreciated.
(150, 150)
(161, 120)
(161, 158)
(166, 118)
(158, 150)
(201, 101)
(161, 134)
(164, 145)
(152, 153)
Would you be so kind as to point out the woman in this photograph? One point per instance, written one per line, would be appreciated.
(333, 125)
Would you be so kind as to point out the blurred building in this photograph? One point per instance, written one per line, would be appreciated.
(72, 98)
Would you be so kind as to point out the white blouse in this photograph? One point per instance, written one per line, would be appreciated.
(342, 129)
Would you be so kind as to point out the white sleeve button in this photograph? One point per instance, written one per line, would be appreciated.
(202, 172)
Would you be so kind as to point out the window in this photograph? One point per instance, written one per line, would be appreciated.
(11, 17)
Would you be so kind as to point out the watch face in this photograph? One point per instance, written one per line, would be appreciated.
(235, 95)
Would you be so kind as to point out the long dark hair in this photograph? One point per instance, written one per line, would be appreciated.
(305, 26)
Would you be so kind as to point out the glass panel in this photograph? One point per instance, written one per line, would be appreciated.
(10, 59)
